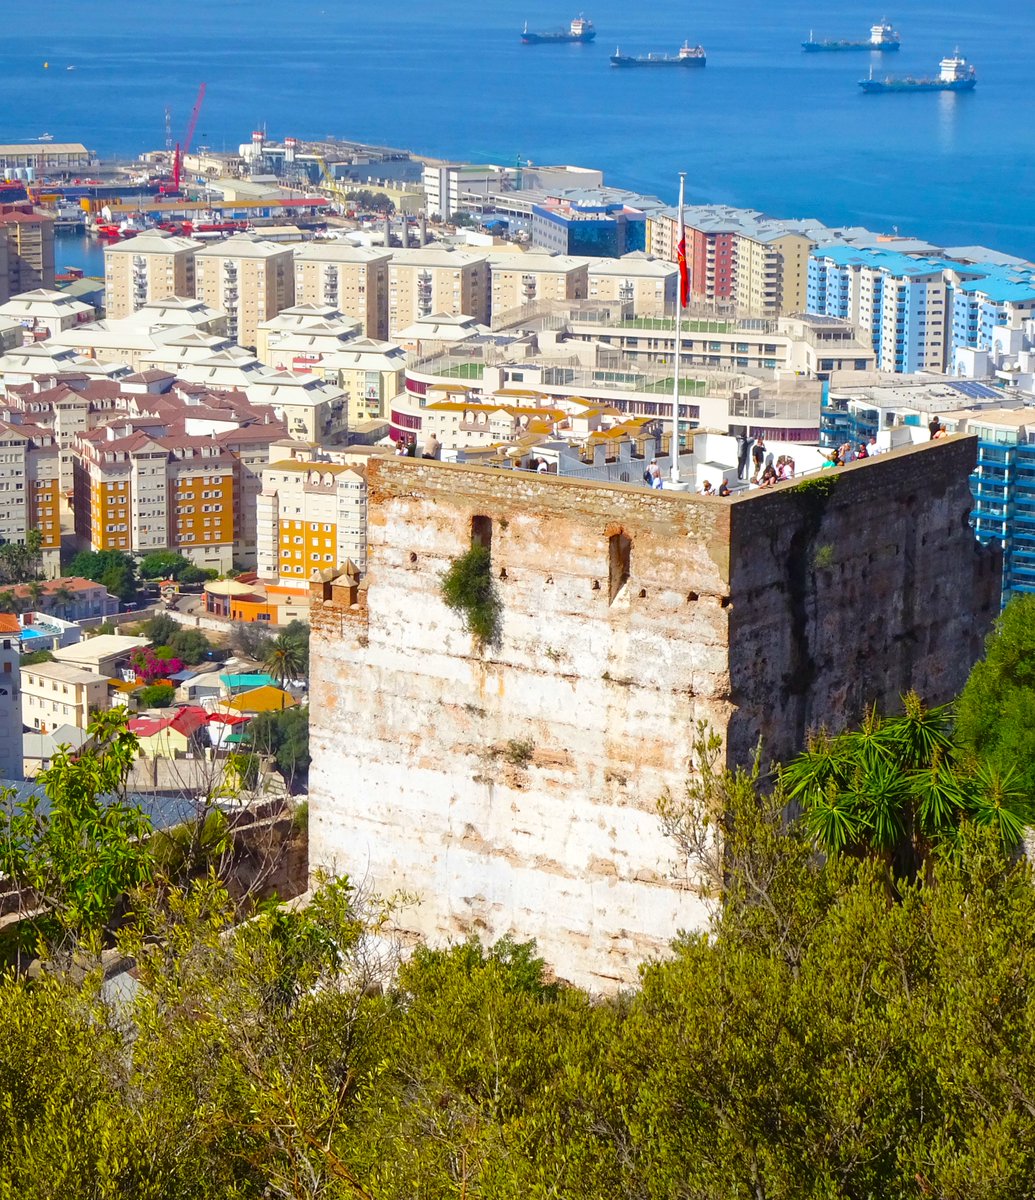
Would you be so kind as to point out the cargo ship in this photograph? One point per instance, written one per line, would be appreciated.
(882, 37)
(955, 75)
(580, 30)
(688, 56)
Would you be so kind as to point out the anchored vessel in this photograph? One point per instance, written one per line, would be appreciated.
(688, 56)
(882, 37)
(955, 75)
(580, 30)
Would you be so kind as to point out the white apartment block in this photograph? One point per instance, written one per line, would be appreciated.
(311, 517)
(435, 280)
(150, 266)
(352, 279)
(249, 279)
(56, 693)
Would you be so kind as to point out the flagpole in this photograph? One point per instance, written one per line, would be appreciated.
(680, 300)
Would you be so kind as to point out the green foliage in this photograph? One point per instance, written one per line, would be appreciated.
(898, 788)
(160, 629)
(250, 639)
(823, 557)
(189, 645)
(284, 736)
(286, 657)
(163, 564)
(469, 589)
(36, 656)
(21, 562)
(365, 200)
(112, 568)
(298, 632)
(996, 712)
(82, 850)
(193, 847)
(155, 695)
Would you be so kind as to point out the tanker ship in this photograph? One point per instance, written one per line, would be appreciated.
(688, 56)
(882, 37)
(955, 75)
(580, 30)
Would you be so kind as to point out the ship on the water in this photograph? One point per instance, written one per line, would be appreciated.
(955, 75)
(882, 37)
(688, 56)
(580, 30)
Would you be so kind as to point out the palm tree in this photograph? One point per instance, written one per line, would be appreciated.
(36, 590)
(284, 658)
(899, 789)
(7, 604)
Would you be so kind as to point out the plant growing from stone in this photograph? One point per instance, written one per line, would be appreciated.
(468, 589)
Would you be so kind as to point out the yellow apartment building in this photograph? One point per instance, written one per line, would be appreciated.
(435, 280)
(311, 516)
(352, 279)
(249, 279)
(150, 266)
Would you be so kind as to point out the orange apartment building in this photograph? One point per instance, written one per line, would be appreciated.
(140, 493)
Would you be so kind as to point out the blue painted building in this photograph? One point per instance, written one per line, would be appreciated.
(917, 311)
(1003, 482)
(599, 230)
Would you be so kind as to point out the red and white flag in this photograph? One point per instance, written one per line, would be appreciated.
(684, 275)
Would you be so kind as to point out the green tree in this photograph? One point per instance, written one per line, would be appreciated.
(21, 562)
(469, 589)
(62, 599)
(160, 629)
(298, 632)
(898, 788)
(285, 657)
(84, 849)
(36, 656)
(190, 645)
(996, 711)
(112, 568)
(163, 564)
(155, 695)
(283, 736)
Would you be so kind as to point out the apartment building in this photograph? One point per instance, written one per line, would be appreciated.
(249, 279)
(649, 284)
(351, 279)
(30, 249)
(70, 597)
(10, 700)
(57, 693)
(370, 373)
(900, 303)
(30, 489)
(43, 313)
(150, 266)
(518, 280)
(311, 517)
(138, 493)
(771, 271)
(298, 338)
(434, 280)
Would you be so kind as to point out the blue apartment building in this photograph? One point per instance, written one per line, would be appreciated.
(1003, 482)
(918, 311)
(599, 230)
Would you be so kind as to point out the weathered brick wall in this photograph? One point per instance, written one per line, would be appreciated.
(420, 781)
(854, 597)
(412, 726)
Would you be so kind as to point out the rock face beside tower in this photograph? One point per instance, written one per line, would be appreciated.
(514, 790)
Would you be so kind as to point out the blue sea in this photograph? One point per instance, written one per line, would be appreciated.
(764, 125)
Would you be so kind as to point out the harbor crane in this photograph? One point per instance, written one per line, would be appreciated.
(183, 149)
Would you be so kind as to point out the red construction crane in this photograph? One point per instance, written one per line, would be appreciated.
(184, 148)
